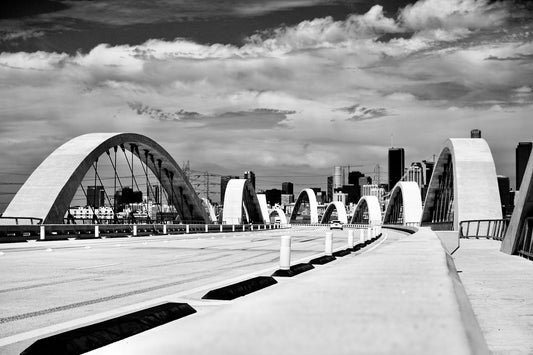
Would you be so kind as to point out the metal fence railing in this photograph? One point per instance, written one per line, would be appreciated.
(484, 228)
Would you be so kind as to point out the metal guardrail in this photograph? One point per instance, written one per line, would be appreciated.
(17, 233)
(483, 228)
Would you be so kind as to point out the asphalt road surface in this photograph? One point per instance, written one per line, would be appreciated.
(46, 283)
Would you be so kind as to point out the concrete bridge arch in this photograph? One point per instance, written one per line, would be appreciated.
(306, 196)
(51, 187)
(241, 204)
(279, 213)
(463, 185)
(367, 211)
(341, 212)
(405, 204)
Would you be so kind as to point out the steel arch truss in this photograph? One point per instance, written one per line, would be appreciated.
(341, 212)
(50, 189)
(367, 211)
(405, 204)
(307, 201)
(241, 203)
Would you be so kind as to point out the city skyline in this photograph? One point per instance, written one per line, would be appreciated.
(248, 99)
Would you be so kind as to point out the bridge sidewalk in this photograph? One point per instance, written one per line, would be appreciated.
(400, 298)
(500, 289)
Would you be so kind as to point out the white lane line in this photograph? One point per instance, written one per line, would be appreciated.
(57, 328)
(95, 266)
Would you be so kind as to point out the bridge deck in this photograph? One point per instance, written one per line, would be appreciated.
(400, 298)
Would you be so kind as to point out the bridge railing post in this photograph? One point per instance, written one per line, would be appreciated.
(42, 232)
(164, 229)
(244, 227)
(328, 245)
(221, 227)
(350, 238)
(96, 231)
(135, 230)
(206, 228)
(233, 228)
(186, 229)
(285, 253)
(361, 236)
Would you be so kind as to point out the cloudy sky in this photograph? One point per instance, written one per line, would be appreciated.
(285, 88)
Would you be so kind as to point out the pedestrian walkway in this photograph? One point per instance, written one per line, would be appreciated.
(400, 298)
(500, 289)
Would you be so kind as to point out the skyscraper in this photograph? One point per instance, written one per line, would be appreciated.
(250, 176)
(396, 165)
(95, 196)
(330, 188)
(287, 188)
(523, 150)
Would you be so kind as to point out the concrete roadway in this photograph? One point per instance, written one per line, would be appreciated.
(48, 283)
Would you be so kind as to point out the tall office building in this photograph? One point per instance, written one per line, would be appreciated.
(330, 189)
(273, 196)
(287, 188)
(250, 176)
(338, 177)
(223, 184)
(396, 165)
(354, 176)
(95, 196)
(523, 150)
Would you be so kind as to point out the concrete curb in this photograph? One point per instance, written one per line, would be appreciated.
(472, 329)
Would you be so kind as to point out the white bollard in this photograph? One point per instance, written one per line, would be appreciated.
(96, 231)
(42, 233)
(233, 228)
(244, 227)
(361, 236)
(187, 229)
(329, 244)
(285, 253)
(221, 227)
(206, 228)
(350, 239)
(251, 227)
(134, 231)
(164, 229)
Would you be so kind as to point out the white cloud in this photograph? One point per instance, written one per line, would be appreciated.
(309, 69)
(452, 14)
